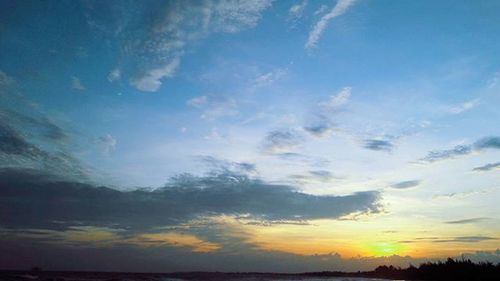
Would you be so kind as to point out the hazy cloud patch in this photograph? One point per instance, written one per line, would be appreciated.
(488, 167)
(378, 145)
(465, 221)
(406, 184)
(492, 142)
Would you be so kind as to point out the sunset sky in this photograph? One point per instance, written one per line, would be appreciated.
(250, 135)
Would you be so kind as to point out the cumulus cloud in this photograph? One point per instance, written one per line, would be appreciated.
(488, 167)
(315, 34)
(463, 107)
(27, 198)
(406, 184)
(378, 145)
(492, 142)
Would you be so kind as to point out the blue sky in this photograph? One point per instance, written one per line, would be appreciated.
(391, 106)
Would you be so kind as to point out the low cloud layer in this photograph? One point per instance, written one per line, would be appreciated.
(28, 201)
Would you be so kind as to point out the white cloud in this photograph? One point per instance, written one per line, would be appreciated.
(338, 99)
(297, 10)
(466, 106)
(151, 82)
(107, 143)
(185, 22)
(320, 10)
(213, 108)
(234, 15)
(270, 77)
(341, 7)
(198, 102)
(76, 84)
(114, 75)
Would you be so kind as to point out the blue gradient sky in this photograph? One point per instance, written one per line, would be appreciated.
(328, 98)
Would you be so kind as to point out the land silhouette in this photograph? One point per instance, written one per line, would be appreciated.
(451, 269)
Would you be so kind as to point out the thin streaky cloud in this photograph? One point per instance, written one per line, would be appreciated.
(464, 221)
(340, 8)
(488, 167)
(463, 107)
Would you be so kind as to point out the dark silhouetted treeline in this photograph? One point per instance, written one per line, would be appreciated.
(449, 270)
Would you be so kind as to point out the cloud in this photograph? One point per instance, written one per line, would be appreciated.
(114, 75)
(153, 39)
(151, 81)
(29, 139)
(296, 11)
(281, 141)
(488, 167)
(315, 176)
(406, 184)
(214, 107)
(465, 239)
(492, 142)
(464, 221)
(378, 145)
(174, 239)
(225, 166)
(337, 100)
(466, 193)
(107, 142)
(27, 201)
(463, 107)
(198, 102)
(320, 130)
(314, 35)
(76, 84)
(5, 81)
(322, 124)
(270, 77)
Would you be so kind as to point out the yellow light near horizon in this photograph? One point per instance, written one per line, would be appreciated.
(380, 249)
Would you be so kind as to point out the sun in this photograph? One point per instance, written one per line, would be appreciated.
(380, 249)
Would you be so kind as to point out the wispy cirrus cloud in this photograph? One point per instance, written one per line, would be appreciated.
(315, 34)
(155, 38)
(214, 107)
(463, 107)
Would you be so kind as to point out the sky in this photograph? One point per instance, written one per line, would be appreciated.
(252, 135)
